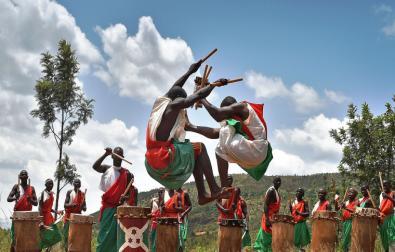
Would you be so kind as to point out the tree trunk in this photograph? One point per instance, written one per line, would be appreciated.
(59, 164)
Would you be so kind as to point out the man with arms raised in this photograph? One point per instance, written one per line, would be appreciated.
(113, 183)
(242, 137)
(170, 158)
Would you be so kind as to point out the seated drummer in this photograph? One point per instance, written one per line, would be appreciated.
(322, 204)
(348, 207)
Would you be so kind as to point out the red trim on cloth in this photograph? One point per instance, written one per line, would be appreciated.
(274, 208)
(300, 208)
(110, 199)
(386, 206)
(79, 200)
(23, 204)
(352, 206)
(197, 149)
(46, 210)
(159, 154)
(170, 205)
(228, 205)
(323, 206)
(132, 196)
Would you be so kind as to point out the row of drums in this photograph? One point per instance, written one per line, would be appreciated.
(325, 229)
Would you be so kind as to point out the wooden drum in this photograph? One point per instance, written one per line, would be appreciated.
(364, 226)
(26, 230)
(324, 231)
(80, 233)
(282, 233)
(229, 235)
(167, 235)
(132, 230)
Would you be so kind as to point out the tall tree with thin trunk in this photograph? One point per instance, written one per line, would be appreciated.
(62, 106)
(368, 143)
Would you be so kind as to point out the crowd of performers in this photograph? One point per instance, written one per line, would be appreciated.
(171, 159)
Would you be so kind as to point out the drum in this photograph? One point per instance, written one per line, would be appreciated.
(364, 226)
(229, 235)
(132, 228)
(282, 233)
(26, 230)
(324, 231)
(80, 233)
(167, 235)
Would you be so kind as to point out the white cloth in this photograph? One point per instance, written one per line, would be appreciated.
(21, 191)
(177, 132)
(234, 148)
(277, 195)
(109, 177)
(155, 205)
(316, 206)
(45, 195)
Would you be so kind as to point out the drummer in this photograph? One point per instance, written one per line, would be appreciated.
(348, 207)
(322, 204)
(271, 207)
(157, 204)
(24, 196)
(300, 211)
(387, 228)
(178, 206)
(365, 201)
(74, 203)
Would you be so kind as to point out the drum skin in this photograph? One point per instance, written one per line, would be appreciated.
(167, 235)
(26, 230)
(324, 231)
(364, 226)
(282, 233)
(80, 233)
(229, 236)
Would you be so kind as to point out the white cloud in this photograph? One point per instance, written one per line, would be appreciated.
(305, 98)
(33, 27)
(382, 8)
(389, 30)
(145, 65)
(336, 97)
(266, 87)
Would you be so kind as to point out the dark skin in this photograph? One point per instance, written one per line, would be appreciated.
(15, 193)
(236, 199)
(48, 188)
(102, 168)
(351, 195)
(270, 199)
(67, 204)
(202, 164)
(178, 205)
(365, 193)
(219, 114)
(299, 197)
(387, 190)
(322, 197)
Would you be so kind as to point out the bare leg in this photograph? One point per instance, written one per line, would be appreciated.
(203, 162)
(223, 166)
(203, 196)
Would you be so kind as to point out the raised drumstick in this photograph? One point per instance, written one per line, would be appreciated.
(370, 197)
(209, 55)
(118, 156)
(216, 84)
(381, 182)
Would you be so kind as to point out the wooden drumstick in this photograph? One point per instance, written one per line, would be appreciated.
(209, 55)
(217, 84)
(127, 189)
(370, 197)
(381, 182)
(120, 157)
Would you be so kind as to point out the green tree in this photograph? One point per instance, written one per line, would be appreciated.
(368, 143)
(62, 106)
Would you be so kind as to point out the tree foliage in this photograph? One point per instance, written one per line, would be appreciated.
(368, 143)
(61, 106)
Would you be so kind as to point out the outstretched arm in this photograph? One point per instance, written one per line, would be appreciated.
(212, 133)
(220, 114)
(192, 69)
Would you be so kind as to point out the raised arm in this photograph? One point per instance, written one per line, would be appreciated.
(97, 166)
(192, 69)
(220, 114)
(183, 103)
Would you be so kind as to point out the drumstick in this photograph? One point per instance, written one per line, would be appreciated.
(370, 197)
(84, 196)
(216, 84)
(120, 157)
(127, 188)
(209, 55)
(381, 182)
(203, 82)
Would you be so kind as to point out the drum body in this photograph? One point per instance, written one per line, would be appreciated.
(26, 230)
(80, 233)
(364, 226)
(324, 231)
(282, 233)
(229, 235)
(132, 228)
(167, 235)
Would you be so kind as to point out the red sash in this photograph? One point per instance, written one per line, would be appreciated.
(258, 109)
(323, 206)
(79, 200)
(159, 154)
(132, 196)
(154, 219)
(170, 205)
(46, 210)
(300, 208)
(23, 204)
(232, 214)
(386, 206)
(110, 199)
(274, 208)
(352, 206)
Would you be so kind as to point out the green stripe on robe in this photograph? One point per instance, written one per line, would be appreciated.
(246, 239)
(50, 237)
(182, 234)
(346, 234)
(263, 241)
(153, 240)
(258, 171)
(387, 231)
(302, 235)
(66, 226)
(107, 237)
(179, 170)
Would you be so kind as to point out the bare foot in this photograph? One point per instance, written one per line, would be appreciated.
(221, 194)
(206, 198)
(228, 181)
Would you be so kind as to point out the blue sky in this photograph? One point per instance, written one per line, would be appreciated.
(305, 61)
